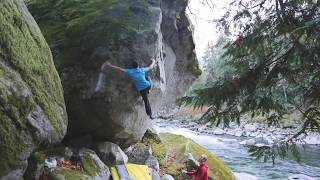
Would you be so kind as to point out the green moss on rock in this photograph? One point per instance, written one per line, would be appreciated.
(28, 79)
(158, 149)
(180, 146)
(194, 68)
(26, 51)
(89, 165)
(77, 27)
(68, 174)
(12, 145)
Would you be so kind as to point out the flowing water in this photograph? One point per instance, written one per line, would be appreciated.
(245, 167)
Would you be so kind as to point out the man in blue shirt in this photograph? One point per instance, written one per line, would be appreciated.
(138, 76)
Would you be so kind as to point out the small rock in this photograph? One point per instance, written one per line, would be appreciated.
(312, 139)
(167, 177)
(90, 160)
(35, 166)
(239, 133)
(248, 142)
(262, 145)
(218, 131)
(154, 174)
(230, 132)
(250, 127)
(153, 163)
(111, 154)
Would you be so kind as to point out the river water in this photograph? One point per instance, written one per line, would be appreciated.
(245, 167)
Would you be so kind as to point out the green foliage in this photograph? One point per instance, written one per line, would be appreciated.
(89, 165)
(216, 67)
(275, 67)
(272, 152)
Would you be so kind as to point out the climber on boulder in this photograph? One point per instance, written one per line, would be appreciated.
(138, 76)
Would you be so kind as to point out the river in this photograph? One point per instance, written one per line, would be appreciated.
(245, 167)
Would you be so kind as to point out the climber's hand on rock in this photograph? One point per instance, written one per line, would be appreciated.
(107, 63)
(104, 65)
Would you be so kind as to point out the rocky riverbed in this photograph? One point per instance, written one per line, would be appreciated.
(252, 132)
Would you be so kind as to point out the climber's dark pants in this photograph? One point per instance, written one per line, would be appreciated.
(144, 94)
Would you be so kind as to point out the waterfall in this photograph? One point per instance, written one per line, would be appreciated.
(101, 82)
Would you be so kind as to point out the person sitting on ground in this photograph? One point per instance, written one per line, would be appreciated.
(138, 76)
(202, 172)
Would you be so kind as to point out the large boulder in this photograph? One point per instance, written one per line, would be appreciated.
(84, 34)
(179, 148)
(32, 110)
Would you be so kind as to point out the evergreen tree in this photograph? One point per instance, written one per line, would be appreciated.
(276, 68)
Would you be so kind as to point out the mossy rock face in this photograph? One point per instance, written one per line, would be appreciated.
(68, 174)
(32, 109)
(35, 166)
(153, 140)
(92, 165)
(179, 147)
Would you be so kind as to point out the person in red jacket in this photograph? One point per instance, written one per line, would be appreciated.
(202, 171)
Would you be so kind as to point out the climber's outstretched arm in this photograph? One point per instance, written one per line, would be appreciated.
(118, 69)
(151, 66)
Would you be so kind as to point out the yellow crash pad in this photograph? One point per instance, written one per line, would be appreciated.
(135, 171)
